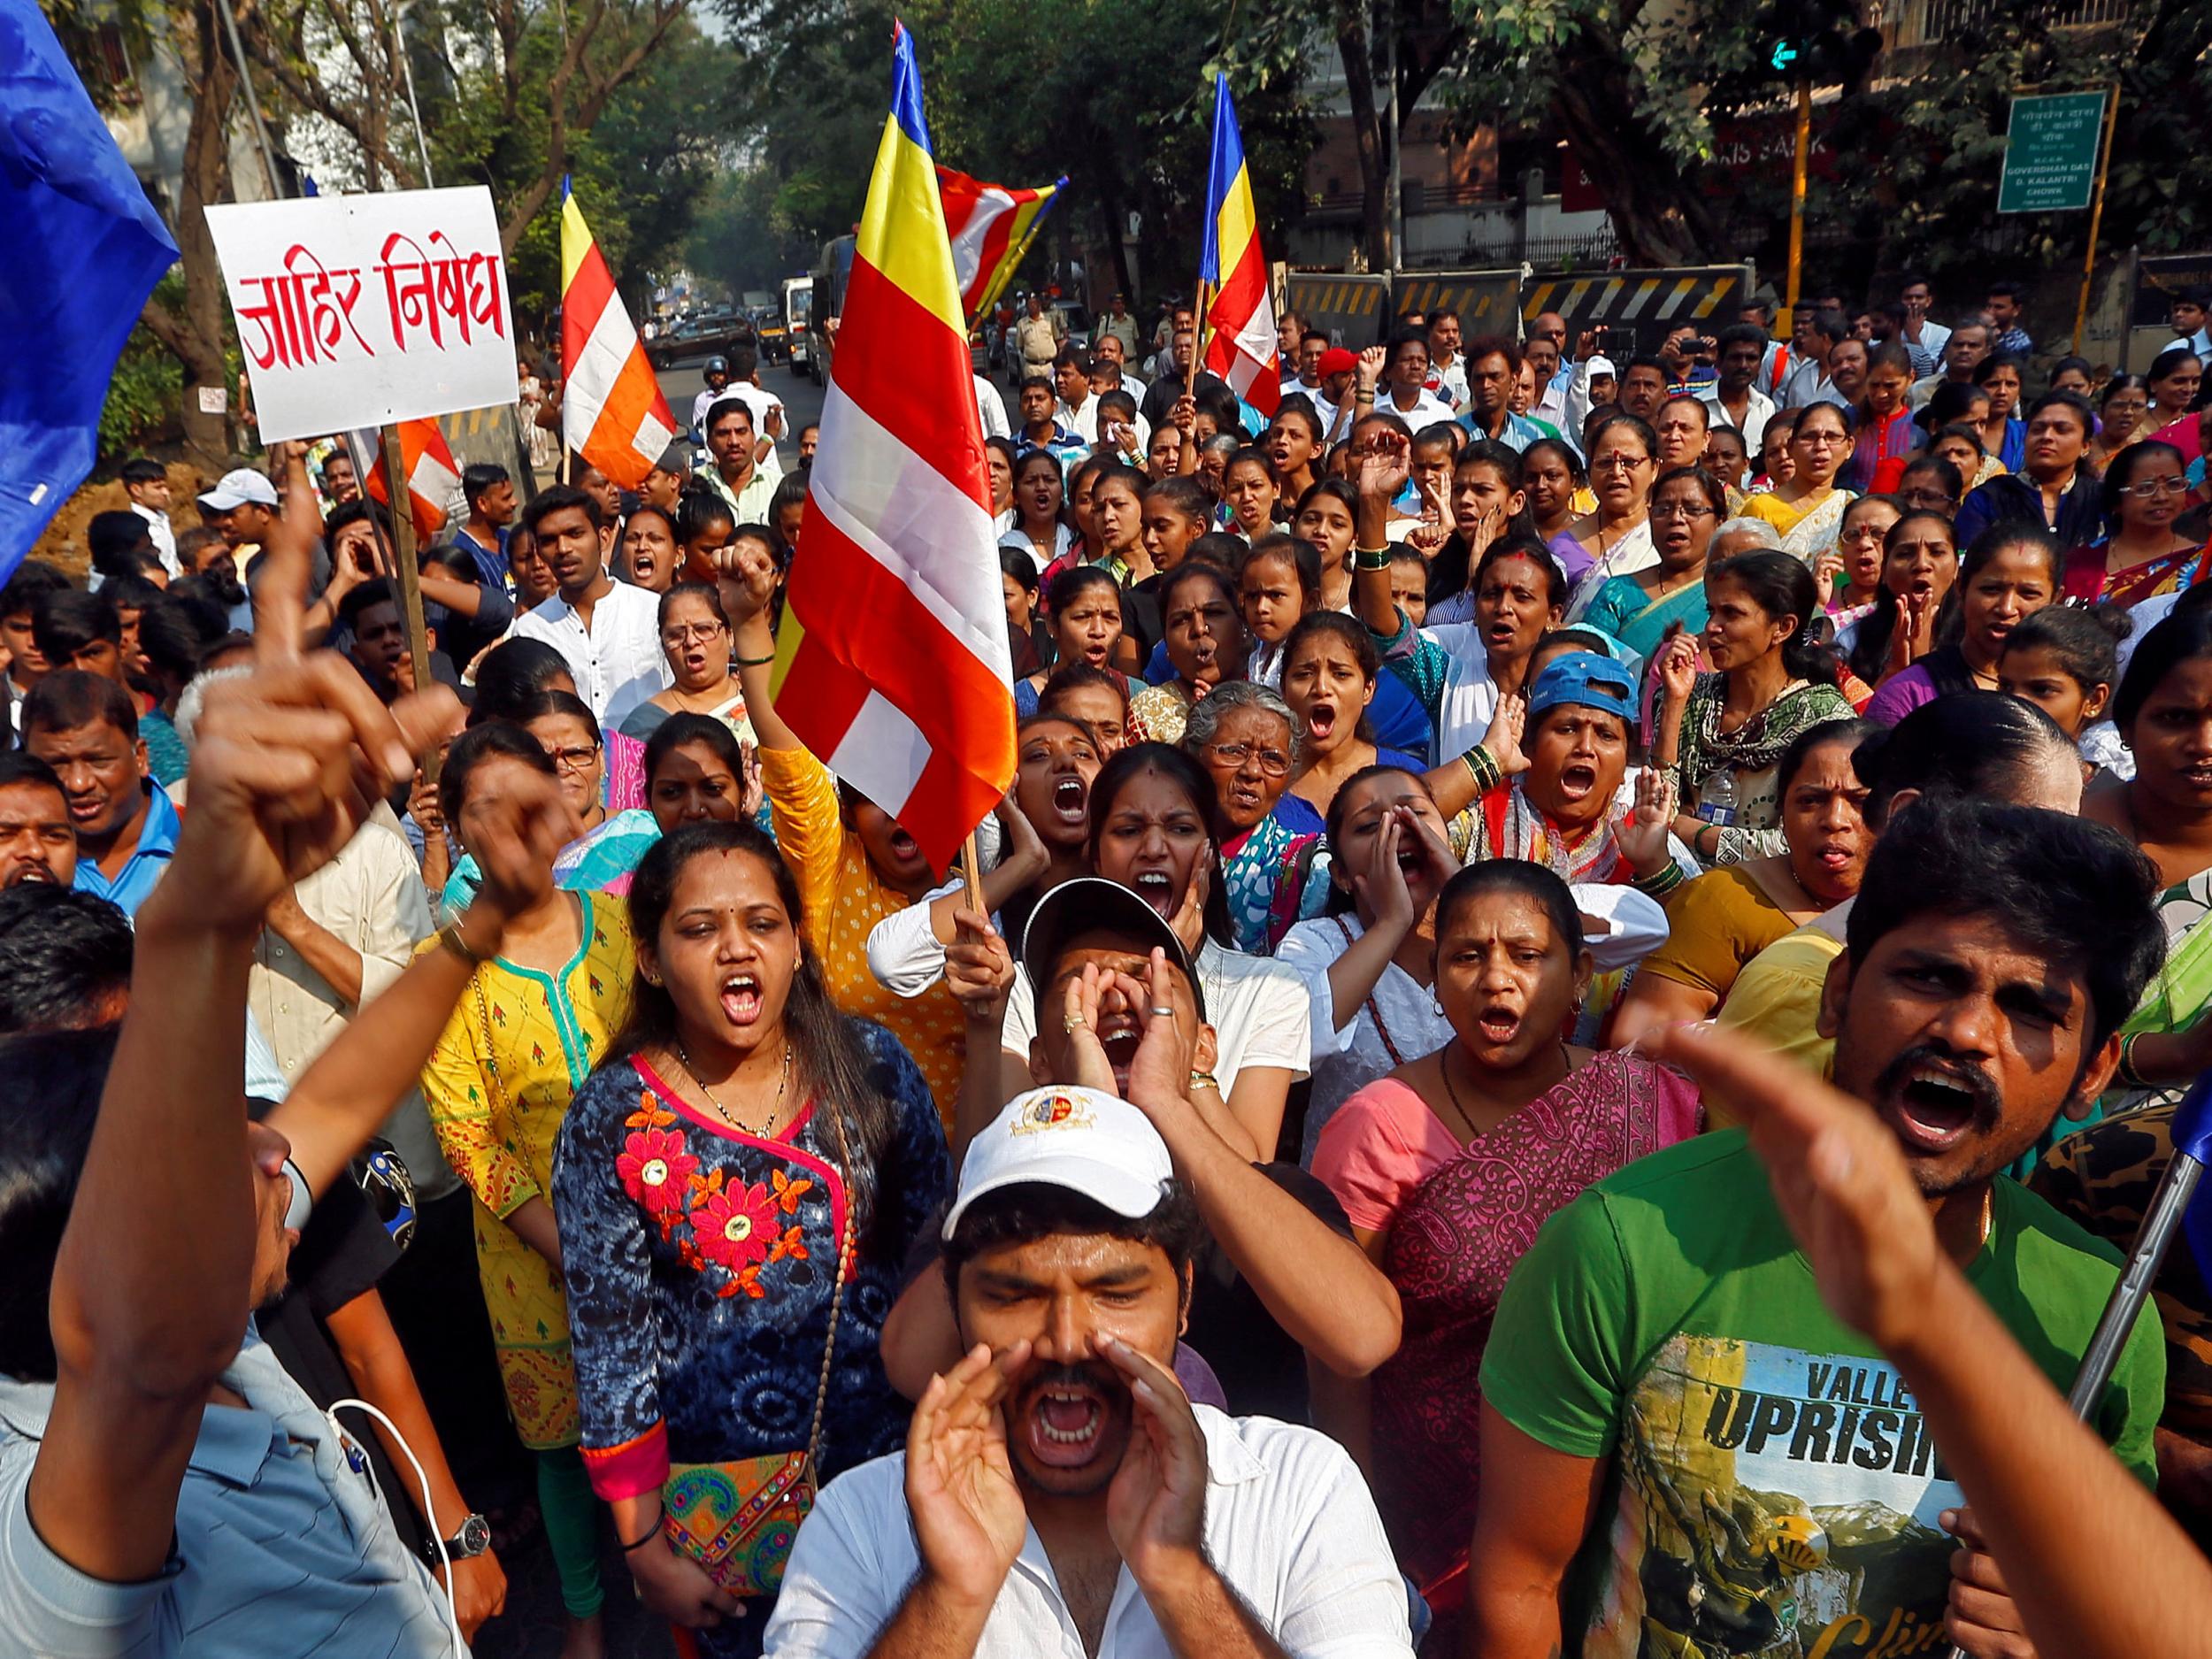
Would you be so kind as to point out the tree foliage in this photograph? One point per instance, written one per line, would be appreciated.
(1115, 94)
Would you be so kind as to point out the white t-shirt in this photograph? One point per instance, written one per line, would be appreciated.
(618, 663)
(991, 410)
(1256, 1006)
(1289, 1525)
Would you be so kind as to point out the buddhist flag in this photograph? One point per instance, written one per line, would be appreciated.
(433, 477)
(1239, 328)
(612, 412)
(990, 226)
(895, 666)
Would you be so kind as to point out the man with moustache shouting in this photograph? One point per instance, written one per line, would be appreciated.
(1059, 1494)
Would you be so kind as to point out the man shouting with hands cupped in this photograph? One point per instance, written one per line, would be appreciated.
(1059, 1494)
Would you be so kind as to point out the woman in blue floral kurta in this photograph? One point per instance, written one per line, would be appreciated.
(700, 1253)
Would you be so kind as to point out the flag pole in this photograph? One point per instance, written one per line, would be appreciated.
(2096, 213)
(402, 507)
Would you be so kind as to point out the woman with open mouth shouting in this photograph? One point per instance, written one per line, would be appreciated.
(738, 1184)
(1206, 644)
(1368, 964)
(1448, 1164)
(1719, 921)
(854, 864)
(1920, 561)
(1723, 733)
(2013, 569)
(1329, 667)
(1083, 610)
(1246, 736)
(1154, 828)
(695, 639)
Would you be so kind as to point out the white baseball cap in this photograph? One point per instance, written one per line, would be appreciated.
(239, 486)
(1599, 365)
(1081, 1139)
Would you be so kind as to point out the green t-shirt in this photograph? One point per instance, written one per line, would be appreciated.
(1773, 1491)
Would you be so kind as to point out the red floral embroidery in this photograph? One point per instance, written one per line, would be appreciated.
(655, 1169)
(736, 1227)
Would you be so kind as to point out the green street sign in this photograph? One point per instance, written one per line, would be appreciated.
(2051, 146)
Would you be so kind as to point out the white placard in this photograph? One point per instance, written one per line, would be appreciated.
(355, 310)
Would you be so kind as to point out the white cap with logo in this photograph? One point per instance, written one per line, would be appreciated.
(1081, 1139)
(238, 487)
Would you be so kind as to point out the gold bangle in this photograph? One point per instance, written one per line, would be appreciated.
(1205, 1079)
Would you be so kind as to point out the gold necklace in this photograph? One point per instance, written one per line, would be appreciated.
(782, 1083)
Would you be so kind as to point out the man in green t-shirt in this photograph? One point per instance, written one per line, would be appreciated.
(1684, 1453)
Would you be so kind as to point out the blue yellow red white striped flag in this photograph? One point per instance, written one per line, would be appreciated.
(899, 675)
(1239, 327)
(989, 226)
(612, 412)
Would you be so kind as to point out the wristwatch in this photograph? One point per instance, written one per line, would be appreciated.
(473, 1539)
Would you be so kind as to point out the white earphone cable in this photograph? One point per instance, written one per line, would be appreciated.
(445, 1562)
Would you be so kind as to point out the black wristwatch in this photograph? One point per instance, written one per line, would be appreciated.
(473, 1539)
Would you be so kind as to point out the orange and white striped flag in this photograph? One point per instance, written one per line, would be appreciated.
(433, 477)
(894, 664)
(612, 412)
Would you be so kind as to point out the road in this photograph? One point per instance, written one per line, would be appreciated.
(802, 400)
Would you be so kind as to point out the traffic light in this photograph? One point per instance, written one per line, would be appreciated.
(1819, 40)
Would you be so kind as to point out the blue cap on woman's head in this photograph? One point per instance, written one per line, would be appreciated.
(1586, 678)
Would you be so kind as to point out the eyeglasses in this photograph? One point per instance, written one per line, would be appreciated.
(684, 635)
(1619, 462)
(572, 759)
(1273, 761)
(1923, 498)
(2173, 485)
(1685, 510)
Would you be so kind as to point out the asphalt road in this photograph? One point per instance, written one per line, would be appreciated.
(802, 400)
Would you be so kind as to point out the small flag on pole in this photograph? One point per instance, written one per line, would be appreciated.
(612, 412)
(899, 675)
(433, 477)
(990, 226)
(1239, 328)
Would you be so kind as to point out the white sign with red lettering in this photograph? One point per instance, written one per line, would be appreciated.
(356, 310)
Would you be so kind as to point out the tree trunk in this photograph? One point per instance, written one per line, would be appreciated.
(1109, 207)
(194, 336)
(1352, 45)
(1659, 217)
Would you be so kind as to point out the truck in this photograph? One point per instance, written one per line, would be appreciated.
(831, 271)
(798, 300)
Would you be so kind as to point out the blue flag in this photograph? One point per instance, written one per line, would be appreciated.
(84, 249)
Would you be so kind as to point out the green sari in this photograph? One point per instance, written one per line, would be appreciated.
(1621, 610)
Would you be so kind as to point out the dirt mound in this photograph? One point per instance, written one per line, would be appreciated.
(63, 544)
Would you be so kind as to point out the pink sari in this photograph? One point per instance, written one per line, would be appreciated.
(1451, 1246)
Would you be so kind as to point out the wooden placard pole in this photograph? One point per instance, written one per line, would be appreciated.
(402, 507)
(971, 876)
(2096, 214)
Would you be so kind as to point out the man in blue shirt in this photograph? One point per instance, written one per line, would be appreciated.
(86, 727)
(490, 495)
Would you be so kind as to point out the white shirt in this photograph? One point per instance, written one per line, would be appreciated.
(1927, 351)
(1290, 1526)
(1255, 1005)
(1449, 380)
(1083, 423)
(618, 663)
(1757, 411)
(1427, 409)
(991, 410)
(163, 535)
(1062, 539)
(1807, 384)
(1470, 699)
